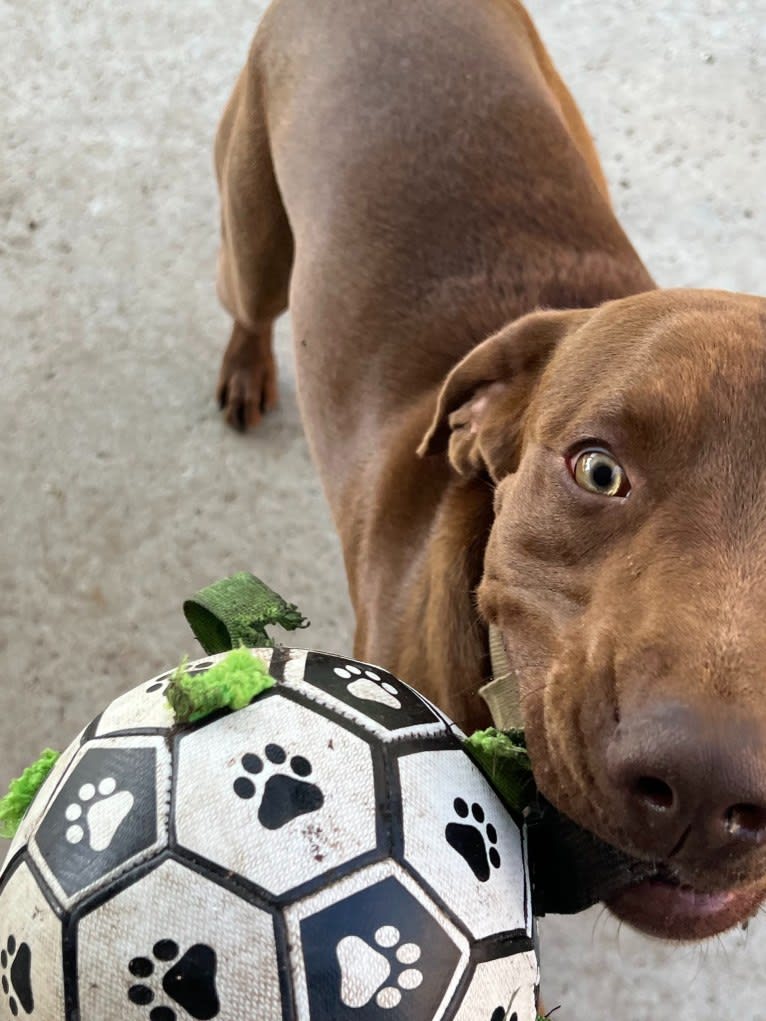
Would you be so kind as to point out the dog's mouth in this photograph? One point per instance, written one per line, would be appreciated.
(666, 907)
(573, 869)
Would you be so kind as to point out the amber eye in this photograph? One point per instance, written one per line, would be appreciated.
(599, 473)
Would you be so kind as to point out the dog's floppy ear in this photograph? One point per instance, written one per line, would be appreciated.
(482, 403)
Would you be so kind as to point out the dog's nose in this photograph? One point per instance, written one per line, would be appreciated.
(692, 777)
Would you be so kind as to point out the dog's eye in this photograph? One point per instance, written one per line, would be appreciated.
(598, 472)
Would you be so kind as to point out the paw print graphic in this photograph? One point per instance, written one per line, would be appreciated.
(189, 983)
(286, 794)
(367, 685)
(97, 813)
(16, 981)
(474, 839)
(367, 971)
(159, 684)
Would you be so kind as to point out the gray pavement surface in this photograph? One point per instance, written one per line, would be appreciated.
(121, 489)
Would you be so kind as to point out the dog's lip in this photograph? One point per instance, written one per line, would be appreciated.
(672, 910)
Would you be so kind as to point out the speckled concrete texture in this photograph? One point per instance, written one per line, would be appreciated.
(121, 489)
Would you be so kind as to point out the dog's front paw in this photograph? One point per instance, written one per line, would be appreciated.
(247, 384)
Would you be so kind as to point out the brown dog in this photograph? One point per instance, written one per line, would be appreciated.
(417, 181)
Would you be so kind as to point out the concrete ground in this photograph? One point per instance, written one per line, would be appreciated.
(122, 491)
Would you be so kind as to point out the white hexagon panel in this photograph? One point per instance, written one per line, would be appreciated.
(175, 945)
(143, 707)
(502, 990)
(31, 973)
(276, 793)
(462, 841)
(373, 946)
(367, 695)
(146, 708)
(109, 812)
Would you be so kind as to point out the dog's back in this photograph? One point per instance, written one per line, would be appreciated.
(434, 190)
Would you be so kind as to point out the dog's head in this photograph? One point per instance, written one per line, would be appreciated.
(626, 571)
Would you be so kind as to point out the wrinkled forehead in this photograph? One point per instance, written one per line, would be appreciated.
(664, 376)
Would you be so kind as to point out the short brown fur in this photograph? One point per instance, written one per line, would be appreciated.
(412, 185)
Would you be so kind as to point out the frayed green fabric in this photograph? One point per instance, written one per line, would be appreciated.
(503, 757)
(22, 792)
(231, 684)
(236, 611)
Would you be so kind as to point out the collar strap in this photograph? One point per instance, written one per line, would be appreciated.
(502, 693)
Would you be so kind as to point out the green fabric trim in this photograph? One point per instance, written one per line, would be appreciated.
(503, 757)
(231, 684)
(236, 611)
(22, 792)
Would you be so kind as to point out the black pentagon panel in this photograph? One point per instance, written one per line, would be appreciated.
(369, 690)
(377, 954)
(36, 809)
(103, 815)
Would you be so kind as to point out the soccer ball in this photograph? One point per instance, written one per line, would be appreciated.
(329, 853)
